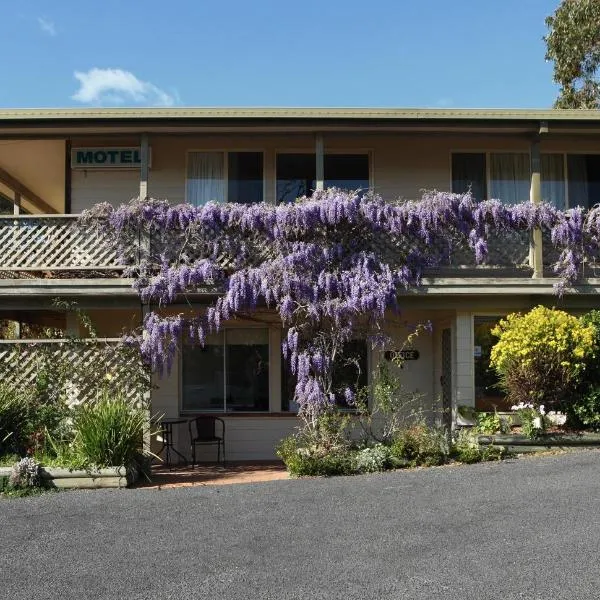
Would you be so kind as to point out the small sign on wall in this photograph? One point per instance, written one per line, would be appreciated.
(408, 354)
(118, 157)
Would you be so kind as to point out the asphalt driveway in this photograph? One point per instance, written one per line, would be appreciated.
(525, 529)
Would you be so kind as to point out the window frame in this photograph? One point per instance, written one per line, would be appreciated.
(183, 412)
(225, 152)
(368, 152)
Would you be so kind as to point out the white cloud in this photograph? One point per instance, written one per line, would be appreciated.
(116, 86)
(47, 26)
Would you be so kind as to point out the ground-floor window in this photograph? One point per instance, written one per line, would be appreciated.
(351, 370)
(488, 394)
(229, 373)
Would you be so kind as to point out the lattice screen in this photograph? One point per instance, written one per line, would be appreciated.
(47, 243)
(77, 369)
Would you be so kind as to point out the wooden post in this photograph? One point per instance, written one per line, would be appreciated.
(17, 204)
(320, 161)
(144, 243)
(144, 163)
(536, 257)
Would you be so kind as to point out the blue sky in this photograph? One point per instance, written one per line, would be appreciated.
(405, 53)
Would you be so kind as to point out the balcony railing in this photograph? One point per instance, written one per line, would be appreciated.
(57, 246)
(54, 243)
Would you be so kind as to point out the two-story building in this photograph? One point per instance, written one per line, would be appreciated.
(56, 163)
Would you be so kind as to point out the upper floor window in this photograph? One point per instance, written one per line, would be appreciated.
(224, 177)
(567, 179)
(297, 173)
(500, 175)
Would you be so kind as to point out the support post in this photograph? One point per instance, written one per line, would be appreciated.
(144, 243)
(144, 163)
(17, 204)
(536, 257)
(320, 161)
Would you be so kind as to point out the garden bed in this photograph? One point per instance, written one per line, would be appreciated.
(113, 477)
(518, 444)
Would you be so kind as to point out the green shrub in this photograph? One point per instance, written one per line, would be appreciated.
(541, 356)
(491, 453)
(469, 455)
(420, 445)
(490, 423)
(465, 446)
(15, 412)
(109, 432)
(301, 461)
(584, 411)
(372, 459)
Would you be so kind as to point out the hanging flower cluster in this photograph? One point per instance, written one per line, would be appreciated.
(327, 264)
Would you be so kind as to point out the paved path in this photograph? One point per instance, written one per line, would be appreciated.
(526, 529)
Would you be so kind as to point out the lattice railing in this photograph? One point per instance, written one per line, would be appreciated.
(58, 243)
(54, 242)
(76, 369)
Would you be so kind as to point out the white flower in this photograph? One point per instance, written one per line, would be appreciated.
(542, 410)
(537, 422)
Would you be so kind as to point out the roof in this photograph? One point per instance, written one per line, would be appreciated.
(301, 113)
(67, 121)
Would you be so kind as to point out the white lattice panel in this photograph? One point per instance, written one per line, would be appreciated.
(50, 243)
(80, 369)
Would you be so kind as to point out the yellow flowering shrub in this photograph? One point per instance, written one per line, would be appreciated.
(540, 356)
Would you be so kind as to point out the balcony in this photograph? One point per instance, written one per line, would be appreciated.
(54, 247)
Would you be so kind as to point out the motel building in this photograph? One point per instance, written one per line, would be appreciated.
(54, 164)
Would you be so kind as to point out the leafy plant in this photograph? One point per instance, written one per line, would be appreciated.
(300, 461)
(421, 444)
(541, 355)
(533, 421)
(15, 414)
(372, 459)
(25, 474)
(490, 423)
(109, 432)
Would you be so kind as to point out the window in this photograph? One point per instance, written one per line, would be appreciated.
(297, 174)
(220, 176)
(469, 174)
(567, 179)
(583, 174)
(7, 206)
(508, 178)
(352, 370)
(230, 373)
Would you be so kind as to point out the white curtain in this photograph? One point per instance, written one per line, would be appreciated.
(553, 180)
(205, 177)
(509, 177)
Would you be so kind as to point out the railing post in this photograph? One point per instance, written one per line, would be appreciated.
(536, 256)
(320, 161)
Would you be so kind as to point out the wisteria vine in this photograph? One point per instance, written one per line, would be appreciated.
(329, 264)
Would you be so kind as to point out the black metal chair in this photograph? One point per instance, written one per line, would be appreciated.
(203, 432)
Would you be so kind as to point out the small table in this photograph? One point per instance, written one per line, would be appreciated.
(166, 431)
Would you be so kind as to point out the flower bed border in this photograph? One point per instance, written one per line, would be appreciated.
(520, 443)
(112, 477)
